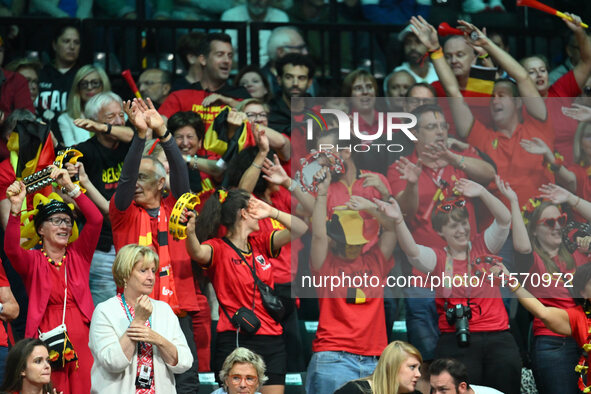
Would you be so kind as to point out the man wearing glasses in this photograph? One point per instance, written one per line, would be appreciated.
(155, 84)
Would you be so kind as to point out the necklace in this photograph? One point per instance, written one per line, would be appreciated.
(56, 263)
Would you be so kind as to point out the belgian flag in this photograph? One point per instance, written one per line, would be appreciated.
(481, 80)
(218, 140)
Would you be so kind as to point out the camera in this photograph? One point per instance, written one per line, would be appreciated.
(458, 315)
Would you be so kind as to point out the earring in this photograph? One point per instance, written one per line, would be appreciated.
(125, 284)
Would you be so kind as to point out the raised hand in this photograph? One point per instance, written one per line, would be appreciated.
(578, 112)
(390, 209)
(60, 176)
(470, 32)
(584, 243)
(453, 143)
(236, 118)
(260, 138)
(438, 152)
(408, 170)
(469, 188)
(554, 193)
(273, 172)
(536, 146)
(16, 194)
(425, 32)
(151, 117)
(91, 125)
(136, 117)
(505, 189)
(258, 209)
(575, 24)
(324, 177)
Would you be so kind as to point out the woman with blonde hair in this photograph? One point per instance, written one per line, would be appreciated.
(397, 372)
(88, 82)
(137, 342)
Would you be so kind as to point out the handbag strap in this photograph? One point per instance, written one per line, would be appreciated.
(252, 270)
(65, 294)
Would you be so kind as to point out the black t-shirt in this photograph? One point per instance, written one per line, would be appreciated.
(355, 387)
(53, 89)
(103, 166)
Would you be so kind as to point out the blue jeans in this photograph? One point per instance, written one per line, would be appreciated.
(328, 371)
(554, 360)
(102, 285)
(422, 320)
(3, 354)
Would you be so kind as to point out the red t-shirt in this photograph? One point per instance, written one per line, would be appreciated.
(234, 284)
(556, 295)
(344, 325)
(190, 100)
(339, 193)
(525, 172)
(283, 272)
(126, 230)
(3, 283)
(488, 310)
(579, 325)
(582, 174)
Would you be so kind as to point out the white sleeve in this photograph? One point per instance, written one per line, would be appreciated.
(67, 129)
(176, 336)
(104, 341)
(495, 236)
(426, 261)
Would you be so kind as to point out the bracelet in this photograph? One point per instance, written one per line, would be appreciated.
(461, 164)
(255, 165)
(577, 203)
(193, 162)
(165, 135)
(109, 127)
(483, 56)
(72, 193)
(15, 214)
(514, 289)
(292, 185)
(277, 215)
(437, 54)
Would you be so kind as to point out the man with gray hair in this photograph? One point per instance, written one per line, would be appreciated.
(243, 372)
(283, 40)
(99, 172)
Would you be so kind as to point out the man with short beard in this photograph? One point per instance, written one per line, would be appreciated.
(212, 93)
(416, 65)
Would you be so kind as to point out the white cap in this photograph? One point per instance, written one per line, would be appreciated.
(404, 32)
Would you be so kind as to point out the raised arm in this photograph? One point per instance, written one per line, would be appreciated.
(496, 207)
(521, 242)
(408, 199)
(294, 226)
(534, 103)
(253, 172)
(319, 243)
(91, 191)
(122, 133)
(559, 195)
(564, 177)
(477, 170)
(461, 112)
(200, 253)
(583, 68)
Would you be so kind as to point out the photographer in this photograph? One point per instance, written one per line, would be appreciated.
(483, 341)
(550, 246)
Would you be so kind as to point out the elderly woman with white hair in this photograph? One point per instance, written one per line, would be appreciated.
(243, 372)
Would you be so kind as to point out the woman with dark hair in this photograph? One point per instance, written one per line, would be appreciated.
(255, 82)
(232, 263)
(28, 369)
(541, 246)
(56, 274)
(573, 321)
(55, 78)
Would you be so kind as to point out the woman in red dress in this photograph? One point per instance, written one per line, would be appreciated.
(56, 270)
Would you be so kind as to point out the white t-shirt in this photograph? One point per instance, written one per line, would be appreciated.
(484, 390)
(430, 78)
(240, 14)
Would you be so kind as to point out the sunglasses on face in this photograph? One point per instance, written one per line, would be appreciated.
(448, 206)
(551, 222)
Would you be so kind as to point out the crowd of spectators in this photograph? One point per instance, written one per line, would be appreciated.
(491, 178)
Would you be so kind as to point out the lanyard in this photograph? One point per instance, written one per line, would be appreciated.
(129, 313)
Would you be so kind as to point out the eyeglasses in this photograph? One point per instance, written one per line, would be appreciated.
(448, 206)
(256, 115)
(94, 84)
(250, 380)
(551, 222)
(587, 91)
(59, 221)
